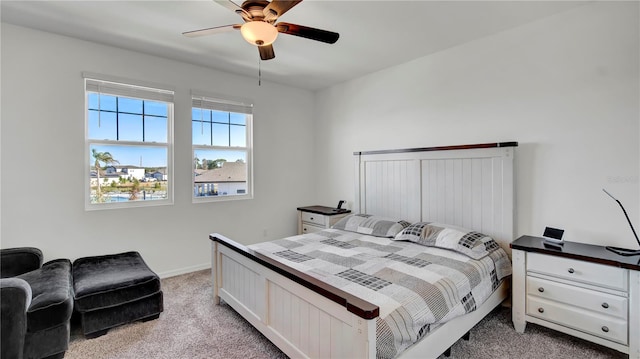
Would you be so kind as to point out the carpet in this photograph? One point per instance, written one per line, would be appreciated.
(193, 327)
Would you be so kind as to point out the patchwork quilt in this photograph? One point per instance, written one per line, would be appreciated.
(416, 287)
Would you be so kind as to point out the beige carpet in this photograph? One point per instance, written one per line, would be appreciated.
(191, 326)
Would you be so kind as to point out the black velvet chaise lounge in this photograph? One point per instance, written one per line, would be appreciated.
(115, 289)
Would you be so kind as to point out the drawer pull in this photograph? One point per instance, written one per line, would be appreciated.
(541, 310)
(605, 329)
(311, 218)
(571, 270)
(540, 289)
(605, 305)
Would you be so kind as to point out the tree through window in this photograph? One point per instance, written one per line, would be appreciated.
(129, 144)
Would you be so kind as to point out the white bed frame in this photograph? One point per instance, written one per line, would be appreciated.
(470, 186)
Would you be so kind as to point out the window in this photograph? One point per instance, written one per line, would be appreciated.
(128, 144)
(221, 138)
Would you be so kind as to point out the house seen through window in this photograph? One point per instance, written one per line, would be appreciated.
(129, 144)
(221, 136)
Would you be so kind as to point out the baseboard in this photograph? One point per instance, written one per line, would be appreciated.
(185, 270)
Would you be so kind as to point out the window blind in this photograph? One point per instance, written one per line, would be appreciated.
(127, 90)
(221, 105)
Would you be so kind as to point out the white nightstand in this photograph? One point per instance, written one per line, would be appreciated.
(316, 218)
(579, 289)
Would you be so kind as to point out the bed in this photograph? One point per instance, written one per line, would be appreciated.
(469, 186)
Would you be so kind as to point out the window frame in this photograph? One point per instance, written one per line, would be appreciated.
(224, 104)
(130, 89)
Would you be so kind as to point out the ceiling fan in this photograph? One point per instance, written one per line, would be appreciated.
(260, 27)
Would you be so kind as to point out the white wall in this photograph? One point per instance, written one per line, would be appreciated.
(43, 133)
(565, 87)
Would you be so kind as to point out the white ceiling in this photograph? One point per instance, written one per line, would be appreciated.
(373, 34)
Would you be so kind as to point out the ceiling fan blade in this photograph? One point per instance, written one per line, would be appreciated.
(266, 52)
(276, 8)
(211, 30)
(234, 7)
(229, 4)
(329, 37)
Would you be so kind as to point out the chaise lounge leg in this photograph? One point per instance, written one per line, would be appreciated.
(466, 336)
(150, 318)
(94, 335)
(447, 352)
(55, 356)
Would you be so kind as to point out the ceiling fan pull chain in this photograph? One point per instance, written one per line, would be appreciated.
(259, 73)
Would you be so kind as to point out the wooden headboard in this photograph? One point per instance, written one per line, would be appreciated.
(470, 186)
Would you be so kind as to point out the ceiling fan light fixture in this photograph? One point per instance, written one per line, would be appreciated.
(259, 33)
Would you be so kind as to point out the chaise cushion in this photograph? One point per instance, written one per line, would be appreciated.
(52, 296)
(111, 280)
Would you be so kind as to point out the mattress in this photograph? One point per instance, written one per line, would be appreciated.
(416, 287)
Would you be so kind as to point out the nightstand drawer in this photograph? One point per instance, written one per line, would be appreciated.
(603, 326)
(316, 218)
(309, 228)
(604, 303)
(313, 218)
(575, 270)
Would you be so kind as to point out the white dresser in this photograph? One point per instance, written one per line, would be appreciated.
(582, 290)
(316, 218)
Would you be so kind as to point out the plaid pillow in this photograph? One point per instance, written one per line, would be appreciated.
(371, 225)
(472, 244)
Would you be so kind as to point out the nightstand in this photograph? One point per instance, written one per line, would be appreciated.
(316, 218)
(579, 289)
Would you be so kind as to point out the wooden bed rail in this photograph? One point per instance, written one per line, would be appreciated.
(353, 304)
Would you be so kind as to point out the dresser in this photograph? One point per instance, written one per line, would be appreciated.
(316, 218)
(579, 289)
